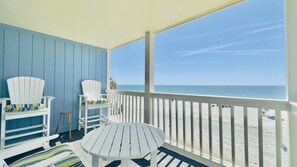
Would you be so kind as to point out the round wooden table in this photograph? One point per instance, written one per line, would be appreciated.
(123, 141)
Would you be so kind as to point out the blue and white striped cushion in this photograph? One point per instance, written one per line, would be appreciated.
(70, 161)
(23, 107)
(97, 101)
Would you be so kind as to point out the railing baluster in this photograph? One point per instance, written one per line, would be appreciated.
(232, 136)
(260, 136)
(210, 130)
(126, 108)
(176, 121)
(278, 137)
(132, 114)
(246, 139)
(153, 111)
(192, 126)
(119, 107)
(200, 129)
(140, 109)
(170, 120)
(158, 112)
(136, 109)
(184, 124)
(164, 123)
(221, 134)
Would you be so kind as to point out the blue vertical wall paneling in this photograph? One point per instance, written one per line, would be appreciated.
(77, 70)
(38, 57)
(25, 54)
(59, 79)
(49, 74)
(68, 84)
(62, 63)
(1, 59)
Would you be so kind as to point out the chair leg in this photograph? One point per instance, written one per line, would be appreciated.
(3, 129)
(86, 120)
(69, 124)
(3, 126)
(79, 113)
(58, 123)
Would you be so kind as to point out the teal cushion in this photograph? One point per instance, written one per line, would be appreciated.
(23, 107)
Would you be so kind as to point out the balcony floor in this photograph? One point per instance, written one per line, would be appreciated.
(166, 157)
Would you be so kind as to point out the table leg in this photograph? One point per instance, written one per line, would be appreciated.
(95, 161)
(125, 163)
(154, 158)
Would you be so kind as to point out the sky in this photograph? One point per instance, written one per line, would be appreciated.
(240, 45)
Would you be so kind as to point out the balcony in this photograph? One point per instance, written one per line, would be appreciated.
(71, 42)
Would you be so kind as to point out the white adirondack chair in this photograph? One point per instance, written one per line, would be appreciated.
(92, 93)
(25, 90)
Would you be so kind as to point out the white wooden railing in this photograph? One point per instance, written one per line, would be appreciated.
(217, 131)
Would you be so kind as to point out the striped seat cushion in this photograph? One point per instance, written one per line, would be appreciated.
(23, 107)
(70, 161)
(97, 101)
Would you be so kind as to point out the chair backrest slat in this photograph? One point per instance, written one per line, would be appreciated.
(25, 90)
(91, 88)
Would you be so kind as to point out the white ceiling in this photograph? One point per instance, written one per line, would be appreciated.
(104, 23)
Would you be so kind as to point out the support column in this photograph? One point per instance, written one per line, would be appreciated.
(149, 76)
(108, 70)
(291, 29)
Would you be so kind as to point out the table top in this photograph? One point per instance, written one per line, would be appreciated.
(120, 141)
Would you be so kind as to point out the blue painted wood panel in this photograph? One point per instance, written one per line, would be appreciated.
(25, 58)
(38, 57)
(62, 63)
(1, 60)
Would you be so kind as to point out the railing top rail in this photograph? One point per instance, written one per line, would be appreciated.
(224, 100)
(132, 93)
(233, 101)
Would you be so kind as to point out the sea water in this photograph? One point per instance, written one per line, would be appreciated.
(266, 92)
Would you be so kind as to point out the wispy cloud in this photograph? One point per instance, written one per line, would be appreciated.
(222, 31)
(177, 63)
(208, 49)
(264, 29)
(257, 50)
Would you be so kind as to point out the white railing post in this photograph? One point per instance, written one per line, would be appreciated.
(291, 42)
(149, 76)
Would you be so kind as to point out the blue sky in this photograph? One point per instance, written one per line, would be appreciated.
(241, 45)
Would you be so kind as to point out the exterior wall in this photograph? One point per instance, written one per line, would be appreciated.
(291, 25)
(63, 64)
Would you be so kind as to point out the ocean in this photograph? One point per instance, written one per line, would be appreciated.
(266, 92)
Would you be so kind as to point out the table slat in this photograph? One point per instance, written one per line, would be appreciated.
(156, 135)
(90, 139)
(109, 140)
(125, 150)
(134, 141)
(149, 138)
(100, 141)
(144, 149)
(116, 146)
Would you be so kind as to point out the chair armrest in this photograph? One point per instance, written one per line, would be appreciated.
(48, 97)
(26, 146)
(4, 99)
(83, 96)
